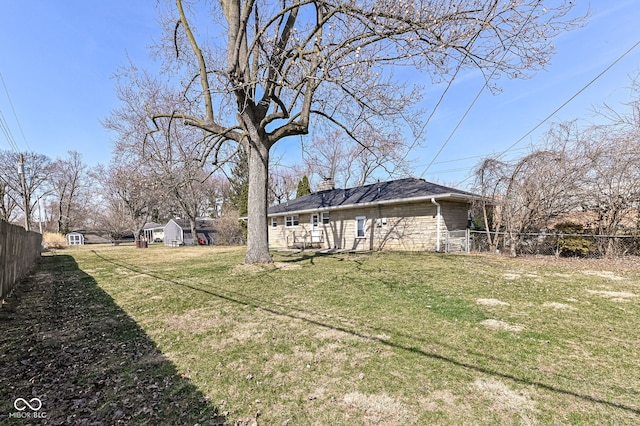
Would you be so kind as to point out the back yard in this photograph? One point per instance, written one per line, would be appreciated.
(191, 335)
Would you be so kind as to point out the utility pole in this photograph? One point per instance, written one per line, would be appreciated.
(23, 183)
(40, 214)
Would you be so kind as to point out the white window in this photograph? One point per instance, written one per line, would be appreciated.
(274, 222)
(75, 240)
(291, 220)
(314, 220)
(325, 218)
(361, 222)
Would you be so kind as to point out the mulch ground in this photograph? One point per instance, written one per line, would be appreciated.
(65, 342)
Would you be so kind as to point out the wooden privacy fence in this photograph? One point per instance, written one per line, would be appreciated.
(19, 250)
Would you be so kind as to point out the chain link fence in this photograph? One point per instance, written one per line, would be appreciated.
(457, 241)
(565, 245)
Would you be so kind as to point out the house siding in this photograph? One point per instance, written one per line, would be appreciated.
(409, 226)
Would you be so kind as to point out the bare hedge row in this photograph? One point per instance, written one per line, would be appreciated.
(565, 245)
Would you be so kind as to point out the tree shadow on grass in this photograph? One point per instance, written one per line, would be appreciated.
(64, 341)
(301, 314)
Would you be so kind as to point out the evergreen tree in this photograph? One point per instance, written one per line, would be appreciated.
(239, 188)
(303, 187)
(239, 181)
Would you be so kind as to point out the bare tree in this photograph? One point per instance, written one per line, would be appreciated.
(269, 69)
(283, 182)
(9, 201)
(491, 183)
(611, 178)
(385, 153)
(592, 172)
(173, 155)
(70, 182)
(612, 151)
(348, 163)
(526, 194)
(130, 195)
(218, 188)
(327, 157)
(23, 184)
(114, 218)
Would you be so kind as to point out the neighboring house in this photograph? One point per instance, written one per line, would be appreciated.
(81, 237)
(177, 232)
(404, 214)
(154, 232)
(97, 237)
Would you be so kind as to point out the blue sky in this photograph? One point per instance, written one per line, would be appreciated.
(58, 58)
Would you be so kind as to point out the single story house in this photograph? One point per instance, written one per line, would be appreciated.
(177, 232)
(81, 237)
(154, 232)
(404, 214)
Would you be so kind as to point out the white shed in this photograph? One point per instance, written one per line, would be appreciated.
(75, 239)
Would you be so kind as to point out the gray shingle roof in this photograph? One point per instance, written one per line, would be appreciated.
(153, 225)
(202, 225)
(381, 192)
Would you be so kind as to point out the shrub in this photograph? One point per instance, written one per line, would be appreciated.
(229, 230)
(575, 246)
(54, 240)
(569, 227)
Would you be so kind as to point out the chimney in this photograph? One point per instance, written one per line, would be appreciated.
(327, 184)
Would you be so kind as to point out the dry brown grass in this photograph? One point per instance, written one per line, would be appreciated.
(54, 241)
(505, 400)
(491, 302)
(501, 325)
(378, 409)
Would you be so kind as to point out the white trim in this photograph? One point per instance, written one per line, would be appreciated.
(364, 227)
(294, 223)
(75, 239)
(428, 198)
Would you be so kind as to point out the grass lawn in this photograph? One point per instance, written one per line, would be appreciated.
(386, 338)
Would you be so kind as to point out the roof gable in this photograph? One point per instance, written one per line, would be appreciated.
(382, 192)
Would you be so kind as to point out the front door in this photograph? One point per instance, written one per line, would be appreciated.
(316, 233)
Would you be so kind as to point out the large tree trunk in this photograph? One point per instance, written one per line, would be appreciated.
(60, 223)
(192, 225)
(257, 229)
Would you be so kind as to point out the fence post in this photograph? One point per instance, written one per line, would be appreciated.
(467, 240)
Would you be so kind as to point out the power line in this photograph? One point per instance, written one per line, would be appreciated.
(570, 99)
(467, 48)
(14, 115)
(435, 108)
(486, 83)
(7, 133)
(455, 160)
(593, 80)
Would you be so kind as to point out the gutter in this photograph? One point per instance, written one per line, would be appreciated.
(462, 197)
(435, 203)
